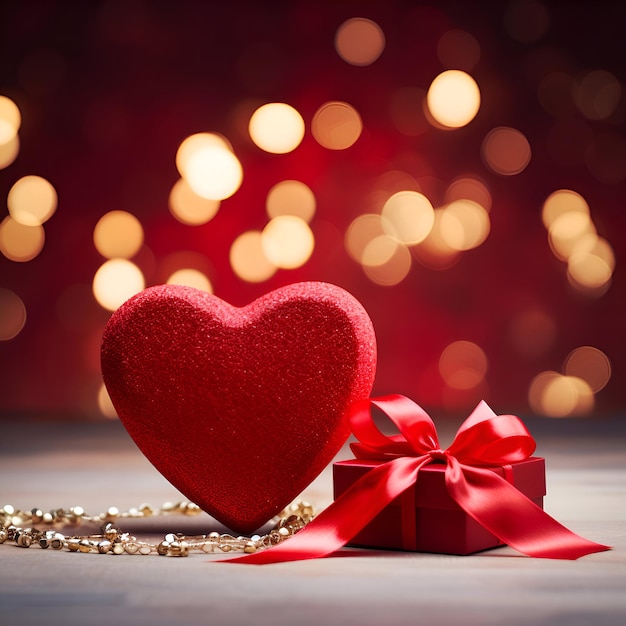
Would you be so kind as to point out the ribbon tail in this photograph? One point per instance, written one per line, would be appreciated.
(512, 517)
(346, 516)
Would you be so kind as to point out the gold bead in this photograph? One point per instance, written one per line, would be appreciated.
(146, 509)
(118, 548)
(178, 548)
(73, 544)
(249, 548)
(110, 531)
(36, 516)
(23, 539)
(225, 547)
(214, 536)
(145, 549)
(104, 546)
(56, 543)
(4, 534)
(283, 532)
(8, 509)
(47, 518)
(112, 512)
(163, 548)
(131, 547)
(74, 515)
(84, 545)
(192, 509)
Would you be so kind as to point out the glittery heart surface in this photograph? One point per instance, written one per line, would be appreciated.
(239, 408)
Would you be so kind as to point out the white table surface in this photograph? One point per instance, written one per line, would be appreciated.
(95, 465)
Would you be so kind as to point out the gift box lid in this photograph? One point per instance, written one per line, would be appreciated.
(430, 488)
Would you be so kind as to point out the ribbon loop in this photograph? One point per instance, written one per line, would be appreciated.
(417, 431)
(498, 440)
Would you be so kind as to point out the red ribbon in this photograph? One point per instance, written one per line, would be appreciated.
(484, 439)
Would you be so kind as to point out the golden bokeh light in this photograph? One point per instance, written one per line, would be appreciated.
(506, 151)
(573, 239)
(190, 208)
(12, 314)
(287, 241)
(379, 251)
(468, 188)
(589, 271)
(393, 271)
(212, 170)
(463, 365)
(248, 260)
(115, 281)
(336, 125)
(553, 395)
(10, 119)
(190, 277)
(464, 225)
(118, 234)
(598, 94)
(291, 197)
(32, 200)
(590, 364)
(453, 99)
(408, 217)
(458, 49)
(359, 41)
(196, 142)
(567, 230)
(562, 201)
(19, 242)
(9, 151)
(104, 403)
(591, 244)
(363, 229)
(276, 127)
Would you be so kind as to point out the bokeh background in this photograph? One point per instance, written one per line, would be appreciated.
(477, 214)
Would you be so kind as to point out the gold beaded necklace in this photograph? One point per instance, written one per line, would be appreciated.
(21, 528)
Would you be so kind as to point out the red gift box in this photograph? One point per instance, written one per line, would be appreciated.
(404, 492)
(438, 524)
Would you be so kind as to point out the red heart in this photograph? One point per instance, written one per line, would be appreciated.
(239, 408)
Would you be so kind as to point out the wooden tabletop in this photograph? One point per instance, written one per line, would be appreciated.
(95, 465)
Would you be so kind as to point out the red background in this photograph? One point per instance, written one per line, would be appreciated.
(121, 84)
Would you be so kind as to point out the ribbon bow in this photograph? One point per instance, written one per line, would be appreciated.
(484, 439)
